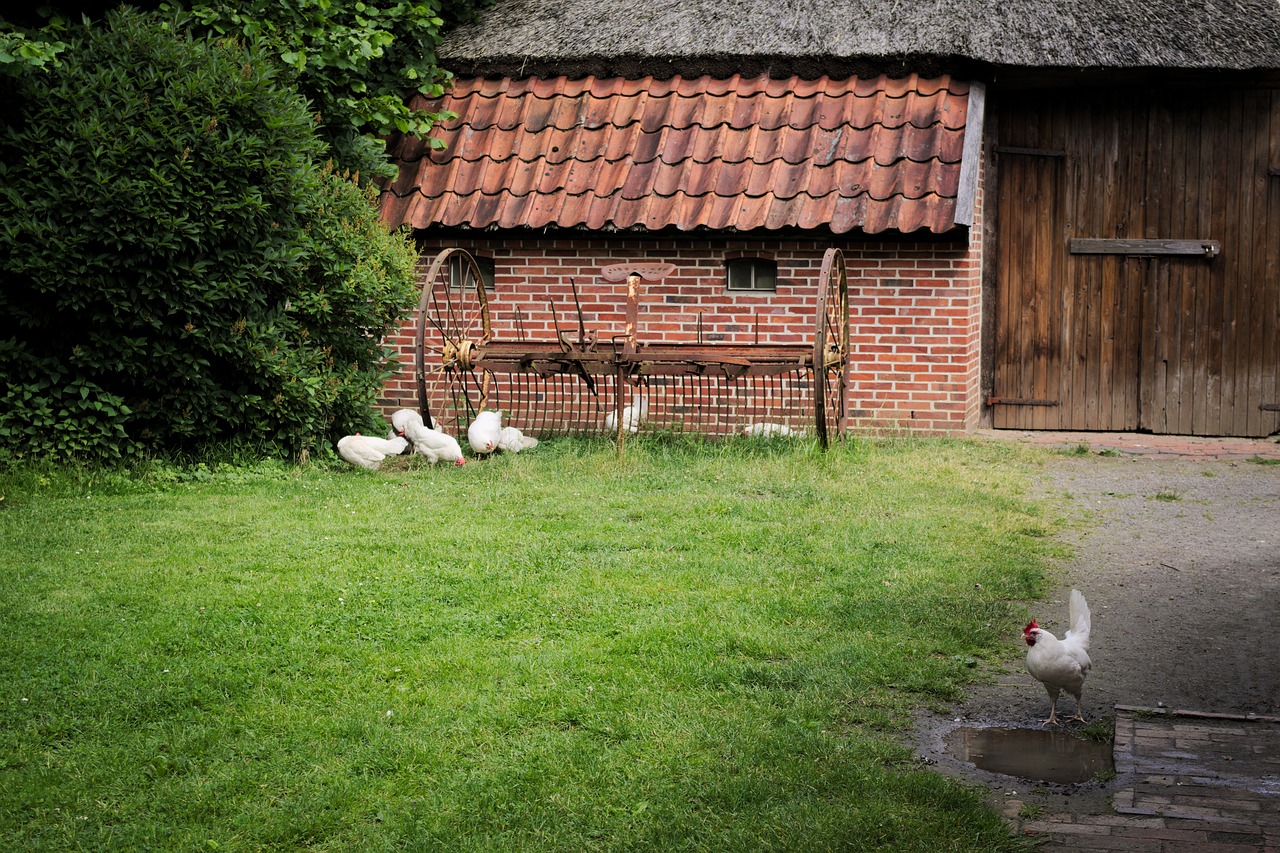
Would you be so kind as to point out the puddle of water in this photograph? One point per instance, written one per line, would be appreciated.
(1048, 756)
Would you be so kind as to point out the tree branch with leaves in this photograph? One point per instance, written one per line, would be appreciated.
(358, 63)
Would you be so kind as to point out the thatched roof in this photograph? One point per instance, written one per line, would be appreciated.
(628, 37)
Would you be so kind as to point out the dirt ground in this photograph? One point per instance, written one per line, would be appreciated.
(1179, 559)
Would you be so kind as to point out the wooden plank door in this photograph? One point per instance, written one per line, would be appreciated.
(1097, 326)
(1034, 364)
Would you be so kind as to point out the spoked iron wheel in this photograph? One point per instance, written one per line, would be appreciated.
(831, 348)
(453, 332)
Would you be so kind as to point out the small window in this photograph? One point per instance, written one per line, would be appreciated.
(458, 267)
(751, 274)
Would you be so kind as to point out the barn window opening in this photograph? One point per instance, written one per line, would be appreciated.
(458, 269)
(751, 274)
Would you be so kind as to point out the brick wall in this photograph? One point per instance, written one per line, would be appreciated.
(914, 311)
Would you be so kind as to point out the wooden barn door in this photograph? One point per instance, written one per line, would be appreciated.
(1138, 263)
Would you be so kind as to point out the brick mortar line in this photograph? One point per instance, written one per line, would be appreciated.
(1200, 715)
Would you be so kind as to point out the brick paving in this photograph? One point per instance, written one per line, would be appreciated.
(1185, 782)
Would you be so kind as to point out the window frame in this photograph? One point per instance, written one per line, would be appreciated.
(487, 271)
(754, 265)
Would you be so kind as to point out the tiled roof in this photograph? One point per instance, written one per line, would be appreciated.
(871, 155)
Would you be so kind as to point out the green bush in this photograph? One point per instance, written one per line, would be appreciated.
(178, 268)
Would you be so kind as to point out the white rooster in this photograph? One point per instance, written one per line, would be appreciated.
(368, 451)
(485, 432)
(631, 416)
(512, 440)
(434, 444)
(1061, 664)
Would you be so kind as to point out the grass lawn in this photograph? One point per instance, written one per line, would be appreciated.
(700, 646)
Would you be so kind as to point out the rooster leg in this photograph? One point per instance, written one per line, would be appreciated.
(1079, 716)
(1053, 706)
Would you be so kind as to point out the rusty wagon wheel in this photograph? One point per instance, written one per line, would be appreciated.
(453, 332)
(831, 348)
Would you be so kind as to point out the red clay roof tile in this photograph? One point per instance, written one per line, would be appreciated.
(871, 155)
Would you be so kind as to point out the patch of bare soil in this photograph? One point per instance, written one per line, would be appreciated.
(1180, 563)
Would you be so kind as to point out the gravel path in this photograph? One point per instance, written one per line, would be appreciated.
(1180, 562)
(1178, 552)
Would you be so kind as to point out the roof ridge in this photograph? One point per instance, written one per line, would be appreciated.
(545, 88)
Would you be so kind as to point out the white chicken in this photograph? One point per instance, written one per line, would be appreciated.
(435, 444)
(631, 416)
(1061, 664)
(512, 440)
(485, 432)
(401, 418)
(771, 429)
(368, 451)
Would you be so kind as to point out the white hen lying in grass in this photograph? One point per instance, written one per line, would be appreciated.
(631, 416)
(512, 440)
(367, 451)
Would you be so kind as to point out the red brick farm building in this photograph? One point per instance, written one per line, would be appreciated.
(1044, 224)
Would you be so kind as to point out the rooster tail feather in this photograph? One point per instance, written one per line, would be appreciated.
(1080, 619)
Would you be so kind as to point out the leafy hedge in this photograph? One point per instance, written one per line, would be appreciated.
(176, 267)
